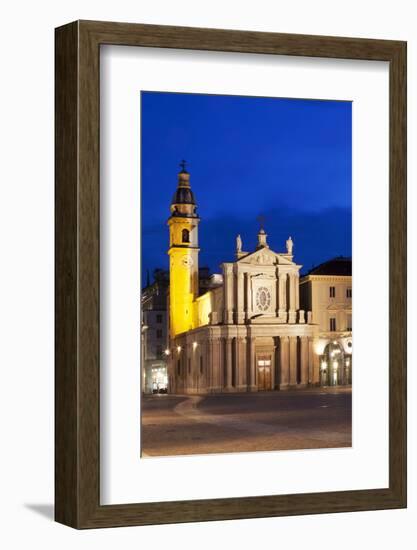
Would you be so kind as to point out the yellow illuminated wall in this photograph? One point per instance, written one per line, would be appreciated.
(204, 308)
(183, 275)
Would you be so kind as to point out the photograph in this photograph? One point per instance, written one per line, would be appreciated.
(246, 274)
(202, 202)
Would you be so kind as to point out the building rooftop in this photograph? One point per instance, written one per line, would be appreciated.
(340, 265)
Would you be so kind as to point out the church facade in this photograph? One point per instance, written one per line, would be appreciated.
(245, 333)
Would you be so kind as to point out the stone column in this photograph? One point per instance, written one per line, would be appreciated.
(272, 371)
(229, 363)
(240, 298)
(276, 363)
(216, 364)
(209, 366)
(228, 294)
(285, 362)
(304, 360)
(247, 296)
(292, 291)
(191, 357)
(222, 363)
(236, 344)
(310, 360)
(292, 309)
(277, 292)
(189, 367)
(316, 368)
(293, 360)
(282, 298)
(297, 291)
(240, 363)
(251, 363)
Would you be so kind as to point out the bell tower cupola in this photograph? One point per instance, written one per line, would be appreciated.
(183, 202)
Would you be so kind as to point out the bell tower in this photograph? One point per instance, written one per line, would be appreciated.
(183, 256)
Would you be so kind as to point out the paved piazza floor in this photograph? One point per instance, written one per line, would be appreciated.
(265, 421)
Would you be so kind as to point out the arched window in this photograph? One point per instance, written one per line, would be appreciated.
(185, 236)
(335, 367)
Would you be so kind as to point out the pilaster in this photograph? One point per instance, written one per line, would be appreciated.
(228, 293)
(251, 364)
(293, 360)
(282, 297)
(304, 360)
(229, 364)
(240, 298)
(292, 308)
(285, 362)
(310, 361)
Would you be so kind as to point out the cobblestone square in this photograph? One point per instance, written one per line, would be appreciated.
(242, 422)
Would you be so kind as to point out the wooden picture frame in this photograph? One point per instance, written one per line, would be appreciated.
(77, 405)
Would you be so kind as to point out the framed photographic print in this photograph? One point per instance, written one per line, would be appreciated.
(230, 274)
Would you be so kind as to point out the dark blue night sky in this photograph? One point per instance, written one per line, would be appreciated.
(289, 160)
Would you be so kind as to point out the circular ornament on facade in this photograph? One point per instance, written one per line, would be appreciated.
(187, 261)
(263, 298)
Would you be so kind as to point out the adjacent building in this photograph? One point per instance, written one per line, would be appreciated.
(155, 334)
(327, 292)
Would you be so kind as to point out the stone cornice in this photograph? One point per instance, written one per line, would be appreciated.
(339, 307)
(326, 278)
(207, 332)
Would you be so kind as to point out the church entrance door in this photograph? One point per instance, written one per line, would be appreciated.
(264, 365)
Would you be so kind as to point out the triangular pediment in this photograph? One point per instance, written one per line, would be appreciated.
(265, 256)
(284, 259)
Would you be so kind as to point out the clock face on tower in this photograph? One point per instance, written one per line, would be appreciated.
(187, 261)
